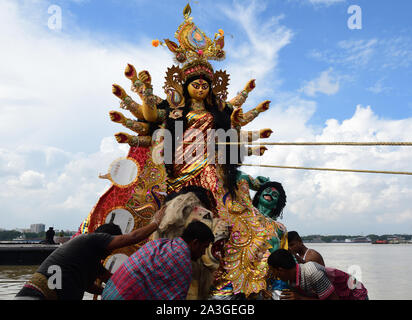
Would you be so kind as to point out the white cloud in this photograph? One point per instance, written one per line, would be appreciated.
(345, 202)
(60, 195)
(54, 83)
(375, 54)
(256, 56)
(326, 83)
(350, 53)
(379, 87)
(56, 136)
(28, 179)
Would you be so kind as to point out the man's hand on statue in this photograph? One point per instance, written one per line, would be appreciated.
(289, 295)
(145, 77)
(116, 116)
(122, 137)
(263, 106)
(265, 133)
(266, 294)
(158, 216)
(250, 85)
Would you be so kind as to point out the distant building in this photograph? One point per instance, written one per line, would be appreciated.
(37, 228)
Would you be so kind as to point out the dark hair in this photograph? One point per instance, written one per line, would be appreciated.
(198, 230)
(281, 258)
(282, 197)
(205, 196)
(221, 121)
(109, 228)
(293, 236)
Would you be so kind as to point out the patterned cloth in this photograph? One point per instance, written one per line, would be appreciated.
(159, 270)
(318, 281)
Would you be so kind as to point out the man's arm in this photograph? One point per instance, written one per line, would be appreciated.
(315, 257)
(138, 235)
(104, 274)
(95, 289)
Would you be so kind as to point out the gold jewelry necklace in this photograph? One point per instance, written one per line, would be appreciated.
(197, 105)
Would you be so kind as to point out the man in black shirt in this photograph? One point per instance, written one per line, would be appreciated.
(73, 268)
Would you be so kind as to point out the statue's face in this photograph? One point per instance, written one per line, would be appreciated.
(269, 199)
(198, 89)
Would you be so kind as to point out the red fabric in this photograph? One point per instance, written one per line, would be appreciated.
(115, 196)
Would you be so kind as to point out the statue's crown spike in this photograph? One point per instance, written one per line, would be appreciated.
(194, 49)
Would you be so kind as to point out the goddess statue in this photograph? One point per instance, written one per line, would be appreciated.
(196, 103)
(268, 204)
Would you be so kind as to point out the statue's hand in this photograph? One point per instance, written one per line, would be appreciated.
(116, 116)
(118, 91)
(145, 77)
(237, 117)
(130, 72)
(250, 85)
(265, 133)
(263, 180)
(263, 106)
(122, 137)
(256, 151)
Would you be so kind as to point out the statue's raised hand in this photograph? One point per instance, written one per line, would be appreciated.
(122, 137)
(144, 76)
(265, 133)
(119, 92)
(263, 106)
(130, 72)
(116, 116)
(250, 85)
(256, 151)
(237, 117)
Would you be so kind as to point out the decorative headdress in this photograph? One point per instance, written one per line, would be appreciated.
(193, 52)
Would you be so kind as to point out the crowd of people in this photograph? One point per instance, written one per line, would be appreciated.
(162, 269)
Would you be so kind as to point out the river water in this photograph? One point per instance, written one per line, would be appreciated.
(385, 270)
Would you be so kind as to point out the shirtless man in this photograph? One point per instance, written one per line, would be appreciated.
(300, 251)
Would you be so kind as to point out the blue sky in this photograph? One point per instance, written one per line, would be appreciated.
(326, 83)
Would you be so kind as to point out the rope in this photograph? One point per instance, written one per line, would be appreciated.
(327, 169)
(322, 143)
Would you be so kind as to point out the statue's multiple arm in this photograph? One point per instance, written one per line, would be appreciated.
(241, 97)
(142, 128)
(251, 136)
(254, 183)
(240, 119)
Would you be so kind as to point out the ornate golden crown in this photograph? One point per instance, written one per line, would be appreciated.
(194, 48)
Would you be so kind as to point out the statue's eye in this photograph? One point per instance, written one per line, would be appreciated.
(205, 86)
(195, 85)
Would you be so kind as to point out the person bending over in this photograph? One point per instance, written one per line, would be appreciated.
(73, 268)
(311, 281)
(161, 269)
